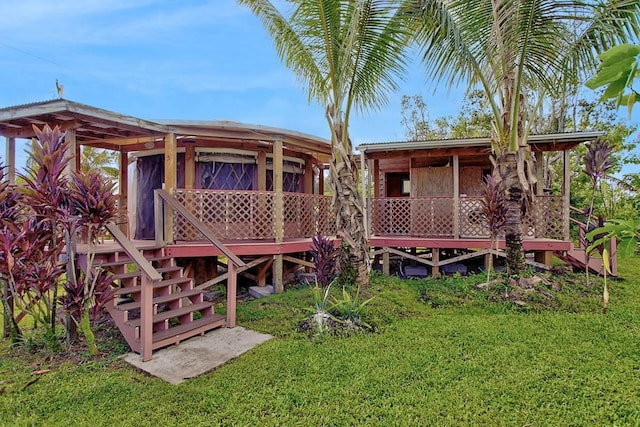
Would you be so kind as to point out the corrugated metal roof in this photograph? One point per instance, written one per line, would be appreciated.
(576, 137)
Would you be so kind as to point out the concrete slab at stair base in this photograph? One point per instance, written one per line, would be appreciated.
(198, 355)
(260, 291)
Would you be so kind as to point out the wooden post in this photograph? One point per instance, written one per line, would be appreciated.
(321, 179)
(232, 289)
(170, 180)
(544, 257)
(189, 166)
(566, 190)
(158, 220)
(456, 196)
(70, 138)
(123, 190)
(539, 173)
(278, 282)
(385, 264)
(365, 197)
(10, 160)
(308, 176)
(376, 179)
(146, 318)
(262, 170)
(435, 257)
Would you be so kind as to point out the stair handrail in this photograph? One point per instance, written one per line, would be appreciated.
(233, 262)
(176, 205)
(148, 277)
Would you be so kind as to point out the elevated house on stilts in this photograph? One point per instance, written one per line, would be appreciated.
(202, 202)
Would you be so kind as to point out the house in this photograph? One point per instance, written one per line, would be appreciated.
(426, 195)
(201, 202)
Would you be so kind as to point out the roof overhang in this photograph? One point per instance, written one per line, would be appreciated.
(100, 128)
(545, 142)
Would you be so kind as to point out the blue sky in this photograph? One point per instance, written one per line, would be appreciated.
(167, 59)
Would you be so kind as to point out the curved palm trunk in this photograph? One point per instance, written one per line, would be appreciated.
(516, 201)
(346, 200)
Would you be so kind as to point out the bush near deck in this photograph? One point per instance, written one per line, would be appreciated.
(461, 360)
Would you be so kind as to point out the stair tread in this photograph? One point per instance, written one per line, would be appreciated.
(137, 273)
(128, 261)
(157, 285)
(160, 300)
(184, 328)
(174, 313)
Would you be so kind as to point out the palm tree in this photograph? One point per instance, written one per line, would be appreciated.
(512, 49)
(349, 54)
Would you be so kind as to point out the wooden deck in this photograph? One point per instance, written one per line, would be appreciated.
(529, 244)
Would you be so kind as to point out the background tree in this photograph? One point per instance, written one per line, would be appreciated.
(349, 54)
(512, 51)
(474, 119)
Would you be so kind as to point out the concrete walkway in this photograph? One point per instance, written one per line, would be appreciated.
(198, 355)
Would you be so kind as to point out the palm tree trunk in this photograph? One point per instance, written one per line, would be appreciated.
(347, 201)
(515, 199)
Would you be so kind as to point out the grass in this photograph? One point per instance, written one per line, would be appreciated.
(443, 353)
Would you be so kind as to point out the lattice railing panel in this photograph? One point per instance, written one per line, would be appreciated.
(545, 218)
(473, 222)
(249, 215)
(433, 217)
(306, 215)
(425, 216)
(229, 214)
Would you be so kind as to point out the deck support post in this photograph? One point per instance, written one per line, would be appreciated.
(189, 166)
(385, 263)
(170, 180)
(566, 203)
(435, 257)
(456, 196)
(232, 289)
(364, 178)
(544, 257)
(146, 318)
(278, 160)
(73, 153)
(123, 196)
(10, 178)
(10, 158)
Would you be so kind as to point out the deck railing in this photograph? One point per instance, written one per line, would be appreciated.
(249, 215)
(434, 217)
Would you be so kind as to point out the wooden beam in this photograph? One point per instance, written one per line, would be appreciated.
(278, 189)
(232, 290)
(70, 138)
(456, 196)
(308, 176)
(540, 173)
(10, 160)
(321, 179)
(170, 180)
(190, 166)
(566, 193)
(435, 256)
(262, 170)
(123, 193)
(278, 271)
(298, 261)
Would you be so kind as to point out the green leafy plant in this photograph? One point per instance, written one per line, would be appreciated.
(320, 309)
(618, 70)
(350, 308)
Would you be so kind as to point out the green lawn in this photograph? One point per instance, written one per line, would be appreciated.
(442, 354)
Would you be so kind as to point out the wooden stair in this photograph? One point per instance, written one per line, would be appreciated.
(575, 258)
(179, 310)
